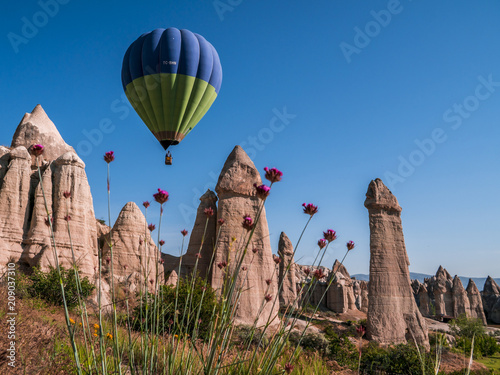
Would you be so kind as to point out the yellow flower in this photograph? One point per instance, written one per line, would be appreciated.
(71, 321)
(80, 324)
(176, 336)
(109, 336)
(95, 334)
(96, 326)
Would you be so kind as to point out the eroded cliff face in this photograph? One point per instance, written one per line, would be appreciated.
(393, 315)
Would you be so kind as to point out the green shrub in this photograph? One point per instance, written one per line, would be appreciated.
(464, 326)
(341, 349)
(314, 341)
(46, 286)
(465, 329)
(195, 308)
(399, 359)
(247, 335)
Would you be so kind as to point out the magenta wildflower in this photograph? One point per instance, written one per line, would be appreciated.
(273, 174)
(198, 255)
(162, 242)
(222, 264)
(310, 209)
(209, 212)
(276, 259)
(322, 243)
(244, 268)
(307, 271)
(255, 250)
(319, 274)
(108, 260)
(47, 221)
(221, 221)
(247, 222)
(330, 235)
(288, 368)
(350, 245)
(37, 150)
(268, 281)
(109, 156)
(67, 218)
(161, 197)
(161, 261)
(268, 297)
(262, 191)
(151, 281)
(146, 204)
(184, 232)
(67, 194)
(361, 331)
(151, 227)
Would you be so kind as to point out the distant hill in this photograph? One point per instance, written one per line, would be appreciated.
(421, 276)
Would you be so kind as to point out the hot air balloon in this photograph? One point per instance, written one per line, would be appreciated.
(171, 77)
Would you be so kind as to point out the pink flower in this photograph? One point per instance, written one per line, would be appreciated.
(161, 261)
(222, 264)
(273, 174)
(125, 267)
(198, 255)
(47, 221)
(319, 274)
(255, 250)
(322, 243)
(268, 281)
(108, 260)
(276, 259)
(37, 150)
(361, 331)
(145, 204)
(262, 191)
(67, 194)
(162, 242)
(307, 271)
(151, 227)
(244, 268)
(288, 368)
(184, 232)
(209, 212)
(161, 197)
(151, 281)
(350, 245)
(67, 218)
(310, 209)
(221, 221)
(268, 297)
(330, 235)
(109, 156)
(247, 222)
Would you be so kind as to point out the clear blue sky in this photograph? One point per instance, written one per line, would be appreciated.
(364, 80)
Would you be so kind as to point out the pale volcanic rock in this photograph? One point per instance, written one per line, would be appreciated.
(65, 174)
(475, 302)
(340, 295)
(441, 288)
(207, 201)
(136, 258)
(288, 295)
(490, 296)
(37, 128)
(172, 278)
(393, 315)
(461, 304)
(424, 301)
(15, 187)
(236, 199)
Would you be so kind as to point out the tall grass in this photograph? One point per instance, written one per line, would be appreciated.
(138, 340)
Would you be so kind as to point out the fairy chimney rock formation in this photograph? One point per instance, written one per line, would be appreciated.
(236, 199)
(461, 304)
(424, 301)
(15, 187)
(65, 174)
(393, 315)
(37, 128)
(288, 294)
(491, 300)
(475, 302)
(340, 295)
(135, 255)
(204, 229)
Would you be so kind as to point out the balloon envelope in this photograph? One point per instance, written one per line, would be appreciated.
(171, 77)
